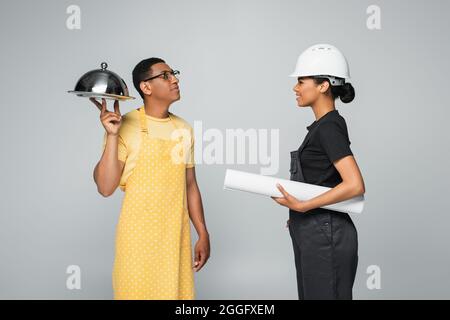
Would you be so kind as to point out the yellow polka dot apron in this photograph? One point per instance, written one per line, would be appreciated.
(153, 255)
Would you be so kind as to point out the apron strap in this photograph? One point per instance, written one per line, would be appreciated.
(143, 121)
(173, 121)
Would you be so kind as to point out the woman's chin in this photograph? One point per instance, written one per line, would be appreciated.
(299, 102)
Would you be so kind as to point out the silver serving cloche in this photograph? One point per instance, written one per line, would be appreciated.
(102, 83)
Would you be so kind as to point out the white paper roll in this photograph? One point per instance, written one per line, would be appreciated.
(265, 185)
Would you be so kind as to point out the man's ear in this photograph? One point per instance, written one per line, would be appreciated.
(146, 88)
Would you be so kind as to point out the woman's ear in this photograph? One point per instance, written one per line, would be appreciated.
(324, 86)
(146, 88)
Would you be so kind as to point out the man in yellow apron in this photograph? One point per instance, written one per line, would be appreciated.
(148, 153)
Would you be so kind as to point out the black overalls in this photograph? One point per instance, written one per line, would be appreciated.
(324, 241)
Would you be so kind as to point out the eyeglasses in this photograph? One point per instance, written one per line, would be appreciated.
(165, 75)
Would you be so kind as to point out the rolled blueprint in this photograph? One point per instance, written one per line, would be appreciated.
(265, 185)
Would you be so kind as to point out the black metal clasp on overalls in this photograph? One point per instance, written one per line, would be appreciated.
(293, 168)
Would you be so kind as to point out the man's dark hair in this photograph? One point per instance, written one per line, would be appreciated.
(142, 71)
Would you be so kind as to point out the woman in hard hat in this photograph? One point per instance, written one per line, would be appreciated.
(325, 242)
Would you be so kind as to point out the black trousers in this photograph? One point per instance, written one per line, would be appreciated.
(325, 246)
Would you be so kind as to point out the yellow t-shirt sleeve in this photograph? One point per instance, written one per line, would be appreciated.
(190, 163)
(121, 146)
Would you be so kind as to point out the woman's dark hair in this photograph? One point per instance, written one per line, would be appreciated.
(345, 92)
(142, 72)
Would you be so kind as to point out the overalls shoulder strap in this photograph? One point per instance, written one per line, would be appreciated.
(296, 166)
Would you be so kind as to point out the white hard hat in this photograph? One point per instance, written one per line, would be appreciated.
(323, 60)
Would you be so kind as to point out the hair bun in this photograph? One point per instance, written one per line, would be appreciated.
(347, 92)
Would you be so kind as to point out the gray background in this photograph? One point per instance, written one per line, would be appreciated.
(234, 57)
